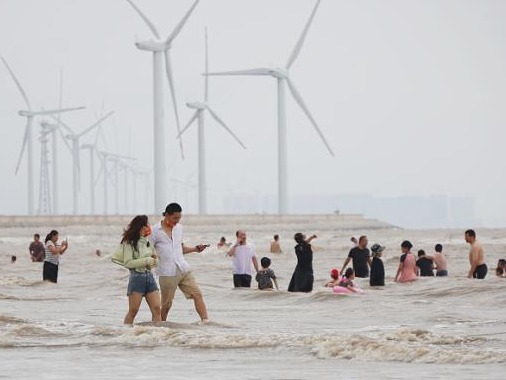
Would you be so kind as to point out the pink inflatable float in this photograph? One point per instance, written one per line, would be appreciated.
(343, 290)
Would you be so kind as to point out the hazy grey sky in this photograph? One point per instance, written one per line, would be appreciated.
(410, 94)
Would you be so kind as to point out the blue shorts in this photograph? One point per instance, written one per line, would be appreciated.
(143, 283)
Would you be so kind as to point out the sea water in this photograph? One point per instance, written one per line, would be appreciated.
(435, 328)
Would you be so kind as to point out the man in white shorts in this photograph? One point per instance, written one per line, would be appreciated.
(173, 270)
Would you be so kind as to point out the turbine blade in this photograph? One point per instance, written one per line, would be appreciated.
(64, 139)
(206, 85)
(193, 118)
(78, 163)
(168, 67)
(95, 124)
(99, 130)
(103, 163)
(302, 105)
(62, 124)
(57, 111)
(95, 180)
(179, 26)
(215, 117)
(259, 71)
(23, 146)
(150, 25)
(300, 42)
(17, 83)
(60, 100)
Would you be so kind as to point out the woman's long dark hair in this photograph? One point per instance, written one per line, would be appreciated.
(50, 235)
(132, 233)
(299, 238)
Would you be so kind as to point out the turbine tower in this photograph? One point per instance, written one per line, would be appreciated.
(92, 148)
(104, 158)
(282, 75)
(30, 114)
(118, 165)
(161, 50)
(201, 108)
(75, 157)
(44, 189)
(53, 129)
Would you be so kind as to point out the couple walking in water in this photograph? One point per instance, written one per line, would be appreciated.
(139, 243)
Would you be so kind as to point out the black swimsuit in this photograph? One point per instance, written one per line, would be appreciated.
(480, 271)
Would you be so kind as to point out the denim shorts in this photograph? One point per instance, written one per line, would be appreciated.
(143, 283)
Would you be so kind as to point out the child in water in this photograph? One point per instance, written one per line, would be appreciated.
(347, 280)
(424, 264)
(266, 276)
(334, 275)
(377, 268)
(500, 270)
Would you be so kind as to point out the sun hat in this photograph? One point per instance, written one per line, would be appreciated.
(376, 248)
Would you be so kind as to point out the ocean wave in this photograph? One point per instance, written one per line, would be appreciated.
(14, 280)
(399, 345)
(7, 297)
(5, 319)
(411, 346)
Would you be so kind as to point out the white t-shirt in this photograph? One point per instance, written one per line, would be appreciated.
(169, 250)
(241, 263)
(53, 259)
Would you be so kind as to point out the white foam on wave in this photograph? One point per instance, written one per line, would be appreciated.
(400, 345)
(411, 346)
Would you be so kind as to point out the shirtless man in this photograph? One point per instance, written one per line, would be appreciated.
(275, 246)
(476, 256)
(440, 261)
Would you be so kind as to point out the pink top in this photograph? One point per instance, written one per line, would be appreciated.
(408, 271)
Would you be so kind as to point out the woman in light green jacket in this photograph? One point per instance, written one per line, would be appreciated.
(139, 257)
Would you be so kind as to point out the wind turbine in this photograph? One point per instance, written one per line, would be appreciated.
(93, 150)
(200, 109)
(30, 114)
(118, 165)
(75, 156)
(161, 50)
(53, 129)
(104, 158)
(282, 75)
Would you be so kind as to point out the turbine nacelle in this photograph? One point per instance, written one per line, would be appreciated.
(278, 73)
(197, 105)
(46, 127)
(152, 46)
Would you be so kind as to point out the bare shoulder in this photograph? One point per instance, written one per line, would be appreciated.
(476, 247)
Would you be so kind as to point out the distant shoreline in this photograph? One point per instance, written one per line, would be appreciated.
(340, 221)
